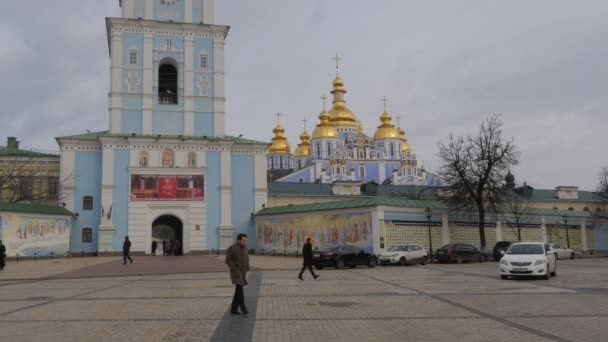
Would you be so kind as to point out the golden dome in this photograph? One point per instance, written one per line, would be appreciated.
(324, 129)
(340, 115)
(405, 146)
(303, 149)
(386, 130)
(279, 144)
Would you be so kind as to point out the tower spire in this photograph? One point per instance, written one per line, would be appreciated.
(338, 59)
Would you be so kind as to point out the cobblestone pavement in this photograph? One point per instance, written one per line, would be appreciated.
(436, 302)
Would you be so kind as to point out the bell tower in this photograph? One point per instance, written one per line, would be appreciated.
(167, 69)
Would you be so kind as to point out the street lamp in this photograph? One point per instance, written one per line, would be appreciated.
(428, 212)
(565, 217)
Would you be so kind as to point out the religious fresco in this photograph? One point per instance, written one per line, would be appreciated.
(289, 233)
(167, 187)
(29, 234)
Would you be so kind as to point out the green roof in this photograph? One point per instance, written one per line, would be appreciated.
(305, 189)
(102, 134)
(34, 208)
(358, 203)
(15, 152)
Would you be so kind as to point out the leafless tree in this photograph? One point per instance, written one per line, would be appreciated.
(602, 194)
(474, 168)
(516, 210)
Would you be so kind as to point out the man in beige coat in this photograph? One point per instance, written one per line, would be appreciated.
(237, 259)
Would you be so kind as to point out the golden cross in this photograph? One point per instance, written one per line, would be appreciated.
(398, 117)
(337, 59)
(278, 117)
(304, 121)
(385, 100)
(324, 98)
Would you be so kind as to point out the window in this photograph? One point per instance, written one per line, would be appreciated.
(25, 187)
(299, 164)
(167, 83)
(571, 209)
(204, 61)
(586, 209)
(318, 150)
(328, 149)
(272, 162)
(280, 162)
(191, 159)
(133, 57)
(362, 172)
(301, 180)
(87, 235)
(554, 208)
(392, 150)
(87, 203)
(53, 187)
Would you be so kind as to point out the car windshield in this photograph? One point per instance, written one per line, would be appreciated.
(394, 249)
(329, 249)
(526, 249)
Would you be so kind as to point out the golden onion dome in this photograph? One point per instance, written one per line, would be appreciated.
(386, 130)
(303, 149)
(405, 146)
(340, 115)
(279, 144)
(324, 129)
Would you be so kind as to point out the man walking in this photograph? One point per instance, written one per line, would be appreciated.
(154, 245)
(2, 255)
(165, 247)
(237, 259)
(307, 253)
(126, 249)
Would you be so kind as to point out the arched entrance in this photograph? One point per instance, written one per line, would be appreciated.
(170, 228)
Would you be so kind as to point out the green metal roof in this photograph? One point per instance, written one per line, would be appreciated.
(358, 203)
(310, 189)
(34, 208)
(103, 134)
(15, 152)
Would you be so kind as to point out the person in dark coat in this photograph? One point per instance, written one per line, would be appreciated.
(126, 249)
(170, 252)
(154, 246)
(2, 255)
(237, 259)
(165, 247)
(307, 253)
(177, 247)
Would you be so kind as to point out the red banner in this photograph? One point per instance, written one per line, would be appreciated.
(167, 188)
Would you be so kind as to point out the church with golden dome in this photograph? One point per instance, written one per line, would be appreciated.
(339, 151)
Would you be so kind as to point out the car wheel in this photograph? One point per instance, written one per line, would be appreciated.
(319, 267)
(402, 261)
(459, 259)
(504, 277)
(353, 266)
(482, 258)
(339, 264)
(554, 273)
(572, 256)
(372, 263)
(423, 261)
(547, 275)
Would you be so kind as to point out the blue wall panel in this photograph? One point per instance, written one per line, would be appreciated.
(131, 122)
(167, 12)
(243, 198)
(120, 199)
(87, 182)
(212, 197)
(167, 123)
(203, 124)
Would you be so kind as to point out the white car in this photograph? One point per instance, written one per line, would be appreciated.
(404, 254)
(562, 252)
(531, 259)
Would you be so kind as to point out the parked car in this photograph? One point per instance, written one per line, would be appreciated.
(498, 247)
(459, 252)
(405, 254)
(342, 256)
(528, 259)
(562, 252)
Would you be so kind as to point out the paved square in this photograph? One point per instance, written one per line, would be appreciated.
(436, 302)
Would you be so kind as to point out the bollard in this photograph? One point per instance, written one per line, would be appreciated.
(51, 255)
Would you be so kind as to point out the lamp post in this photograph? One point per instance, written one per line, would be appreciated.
(428, 212)
(565, 217)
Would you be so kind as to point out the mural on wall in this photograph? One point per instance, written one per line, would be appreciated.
(167, 188)
(28, 234)
(290, 233)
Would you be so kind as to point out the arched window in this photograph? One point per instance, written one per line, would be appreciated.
(271, 162)
(143, 159)
(571, 209)
(301, 180)
(299, 164)
(554, 208)
(318, 150)
(87, 203)
(167, 82)
(328, 149)
(362, 172)
(168, 158)
(87, 235)
(598, 210)
(392, 150)
(191, 159)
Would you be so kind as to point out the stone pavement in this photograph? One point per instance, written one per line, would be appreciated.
(159, 301)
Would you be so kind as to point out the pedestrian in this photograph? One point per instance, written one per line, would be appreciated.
(164, 245)
(237, 259)
(2, 255)
(154, 246)
(170, 247)
(177, 246)
(126, 249)
(307, 253)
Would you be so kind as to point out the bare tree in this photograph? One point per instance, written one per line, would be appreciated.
(474, 168)
(516, 210)
(602, 194)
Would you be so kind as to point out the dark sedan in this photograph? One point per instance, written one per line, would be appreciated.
(342, 256)
(459, 252)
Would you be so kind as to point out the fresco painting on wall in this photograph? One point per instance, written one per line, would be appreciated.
(26, 235)
(289, 233)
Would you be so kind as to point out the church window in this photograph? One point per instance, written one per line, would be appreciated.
(204, 61)
(362, 172)
(392, 150)
(167, 82)
(280, 162)
(272, 162)
(168, 158)
(143, 159)
(318, 150)
(87, 203)
(328, 149)
(571, 209)
(191, 159)
(87, 235)
(301, 180)
(53, 187)
(299, 164)
(337, 170)
(133, 57)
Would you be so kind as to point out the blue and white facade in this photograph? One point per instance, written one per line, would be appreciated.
(166, 119)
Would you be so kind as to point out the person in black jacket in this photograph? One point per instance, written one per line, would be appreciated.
(154, 246)
(2, 255)
(307, 253)
(126, 249)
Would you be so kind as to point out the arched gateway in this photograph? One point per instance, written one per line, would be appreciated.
(167, 227)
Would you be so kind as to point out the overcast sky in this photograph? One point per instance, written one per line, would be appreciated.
(444, 65)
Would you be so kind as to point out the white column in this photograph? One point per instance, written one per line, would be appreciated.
(115, 80)
(584, 235)
(498, 231)
(445, 229)
(226, 229)
(381, 172)
(377, 221)
(543, 229)
(105, 233)
(208, 8)
(219, 111)
(148, 83)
